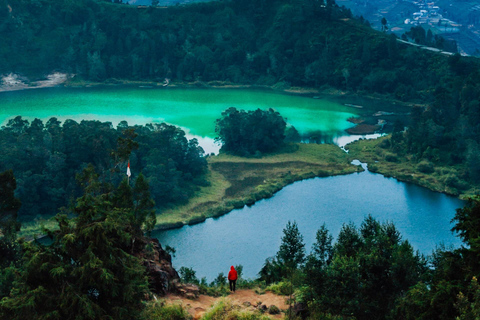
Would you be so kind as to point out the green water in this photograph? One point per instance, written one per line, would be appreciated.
(192, 109)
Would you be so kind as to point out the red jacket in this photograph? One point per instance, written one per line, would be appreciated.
(232, 275)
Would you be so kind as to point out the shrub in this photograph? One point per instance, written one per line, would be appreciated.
(283, 288)
(372, 167)
(224, 309)
(391, 157)
(188, 275)
(273, 309)
(385, 144)
(159, 311)
(454, 182)
(425, 167)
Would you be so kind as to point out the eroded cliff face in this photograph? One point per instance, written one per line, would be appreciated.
(159, 267)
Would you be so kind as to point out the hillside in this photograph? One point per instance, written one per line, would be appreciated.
(270, 42)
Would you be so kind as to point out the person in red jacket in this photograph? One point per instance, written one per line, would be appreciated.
(232, 278)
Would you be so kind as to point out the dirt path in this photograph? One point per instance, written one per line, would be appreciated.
(241, 297)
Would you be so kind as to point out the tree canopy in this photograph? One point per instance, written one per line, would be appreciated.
(46, 157)
(250, 132)
(89, 270)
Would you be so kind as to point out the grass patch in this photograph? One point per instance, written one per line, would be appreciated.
(238, 181)
(224, 309)
(434, 176)
(158, 310)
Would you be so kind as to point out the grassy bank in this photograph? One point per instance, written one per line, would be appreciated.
(439, 178)
(236, 181)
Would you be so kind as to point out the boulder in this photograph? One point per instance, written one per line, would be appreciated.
(159, 267)
(273, 309)
(188, 290)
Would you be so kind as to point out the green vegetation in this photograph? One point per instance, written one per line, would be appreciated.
(372, 273)
(224, 309)
(89, 270)
(10, 251)
(45, 159)
(160, 311)
(235, 181)
(277, 43)
(247, 133)
(386, 157)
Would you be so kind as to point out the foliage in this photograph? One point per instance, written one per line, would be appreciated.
(292, 248)
(188, 275)
(288, 259)
(278, 43)
(10, 252)
(224, 309)
(160, 311)
(282, 288)
(361, 275)
(88, 271)
(250, 132)
(46, 157)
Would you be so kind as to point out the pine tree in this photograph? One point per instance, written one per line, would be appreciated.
(9, 247)
(87, 272)
(292, 249)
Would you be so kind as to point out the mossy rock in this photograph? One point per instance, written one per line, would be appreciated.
(273, 309)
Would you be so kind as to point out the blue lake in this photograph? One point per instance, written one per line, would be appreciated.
(250, 235)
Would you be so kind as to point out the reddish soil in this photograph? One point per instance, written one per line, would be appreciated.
(199, 306)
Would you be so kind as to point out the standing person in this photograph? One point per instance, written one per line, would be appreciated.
(232, 278)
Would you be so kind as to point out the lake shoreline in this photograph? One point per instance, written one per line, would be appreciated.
(237, 182)
(364, 105)
(404, 169)
(15, 82)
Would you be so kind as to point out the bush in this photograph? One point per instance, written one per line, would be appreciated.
(391, 157)
(273, 309)
(283, 288)
(159, 311)
(188, 275)
(425, 167)
(385, 144)
(224, 309)
(452, 181)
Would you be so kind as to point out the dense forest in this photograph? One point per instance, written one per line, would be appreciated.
(45, 159)
(278, 43)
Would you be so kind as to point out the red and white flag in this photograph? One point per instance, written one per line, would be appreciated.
(128, 170)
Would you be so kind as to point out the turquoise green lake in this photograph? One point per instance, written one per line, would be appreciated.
(195, 110)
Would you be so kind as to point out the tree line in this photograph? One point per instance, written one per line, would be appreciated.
(278, 43)
(372, 273)
(46, 157)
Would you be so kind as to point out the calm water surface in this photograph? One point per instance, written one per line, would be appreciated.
(195, 110)
(248, 236)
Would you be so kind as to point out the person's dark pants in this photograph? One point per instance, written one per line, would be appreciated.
(232, 285)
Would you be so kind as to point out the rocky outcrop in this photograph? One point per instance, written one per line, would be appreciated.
(159, 267)
(163, 278)
(188, 290)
